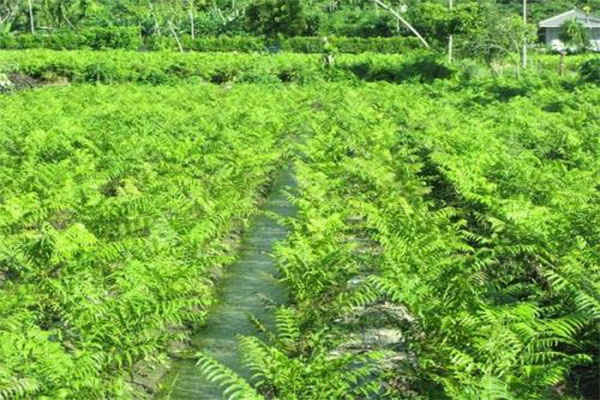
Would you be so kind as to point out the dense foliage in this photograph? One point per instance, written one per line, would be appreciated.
(436, 256)
(589, 70)
(253, 17)
(92, 38)
(445, 246)
(164, 67)
(574, 35)
(129, 39)
(117, 205)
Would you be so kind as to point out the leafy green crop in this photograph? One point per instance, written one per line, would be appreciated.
(457, 234)
(117, 206)
(168, 67)
(446, 245)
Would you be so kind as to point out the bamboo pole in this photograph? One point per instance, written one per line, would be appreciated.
(405, 22)
(175, 36)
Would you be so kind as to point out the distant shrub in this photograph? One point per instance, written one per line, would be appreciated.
(160, 67)
(306, 45)
(589, 71)
(128, 38)
(101, 72)
(422, 68)
(351, 45)
(243, 44)
(470, 70)
(426, 69)
(93, 38)
(276, 17)
(112, 38)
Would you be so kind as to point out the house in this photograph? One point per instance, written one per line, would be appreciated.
(553, 26)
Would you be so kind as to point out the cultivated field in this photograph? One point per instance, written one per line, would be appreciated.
(446, 244)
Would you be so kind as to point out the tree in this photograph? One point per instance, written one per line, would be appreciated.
(433, 20)
(8, 11)
(494, 34)
(274, 17)
(574, 35)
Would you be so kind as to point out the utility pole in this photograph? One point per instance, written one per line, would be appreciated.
(31, 20)
(525, 33)
(450, 37)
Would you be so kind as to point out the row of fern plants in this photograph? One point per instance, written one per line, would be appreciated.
(439, 257)
(118, 207)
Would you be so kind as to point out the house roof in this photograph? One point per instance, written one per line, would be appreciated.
(587, 20)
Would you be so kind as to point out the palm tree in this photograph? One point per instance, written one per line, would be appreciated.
(574, 35)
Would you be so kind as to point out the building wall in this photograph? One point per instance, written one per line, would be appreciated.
(595, 39)
(555, 43)
(552, 39)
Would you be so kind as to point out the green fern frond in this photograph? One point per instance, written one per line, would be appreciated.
(234, 386)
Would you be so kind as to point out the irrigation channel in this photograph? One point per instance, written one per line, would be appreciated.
(249, 287)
